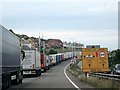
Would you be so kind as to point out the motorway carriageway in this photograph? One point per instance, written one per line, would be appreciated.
(56, 77)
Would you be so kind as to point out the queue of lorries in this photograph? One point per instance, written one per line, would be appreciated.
(16, 62)
(36, 62)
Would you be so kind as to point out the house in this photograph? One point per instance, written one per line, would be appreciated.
(32, 43)
(54, 43)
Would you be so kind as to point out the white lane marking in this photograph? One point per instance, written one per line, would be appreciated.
(70, 79)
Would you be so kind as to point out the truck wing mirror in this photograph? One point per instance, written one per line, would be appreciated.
(23, 54)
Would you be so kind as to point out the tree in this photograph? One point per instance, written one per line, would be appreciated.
(114, 57)
(52, 51)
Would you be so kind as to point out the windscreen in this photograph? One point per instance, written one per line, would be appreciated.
(118, 67)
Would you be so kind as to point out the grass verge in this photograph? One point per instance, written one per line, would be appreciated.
(93, 81)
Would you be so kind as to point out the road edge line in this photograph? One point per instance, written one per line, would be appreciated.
(70, 79)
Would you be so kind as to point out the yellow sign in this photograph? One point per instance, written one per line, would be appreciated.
(95, 59)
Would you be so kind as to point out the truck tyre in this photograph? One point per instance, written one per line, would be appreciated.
(20, 81)
(20, 76)
(6, 81)
(9, 80)
(40, 72)
(36, 71)
(16, 81)
(4, 84)
(45, 69)
(48, 67)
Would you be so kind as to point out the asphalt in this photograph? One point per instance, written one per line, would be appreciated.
(53, 78)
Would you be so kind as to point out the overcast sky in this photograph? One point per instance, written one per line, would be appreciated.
(84, 21)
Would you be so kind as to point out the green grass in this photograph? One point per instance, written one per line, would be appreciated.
(100, 83)
(61, 50)
(96, 82)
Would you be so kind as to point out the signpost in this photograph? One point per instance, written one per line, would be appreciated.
(95, 60)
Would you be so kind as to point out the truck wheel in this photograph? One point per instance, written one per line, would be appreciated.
(40, 72)
(16, 81)
(20, 81)
(36, 73)
(48, 67)
(20, 75)
(45, 69)
(4, 82)
(9, 80)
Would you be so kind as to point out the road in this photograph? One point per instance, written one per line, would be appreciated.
(53, 78)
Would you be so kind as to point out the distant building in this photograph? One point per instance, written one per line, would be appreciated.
(32, 43)
(54, 43)
(73, 45)
(50, 43)
(92, 46)
(25, 47)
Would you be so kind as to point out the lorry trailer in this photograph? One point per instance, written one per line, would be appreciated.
(43, 62)
(31, 63)
(52, 59)
(10, 54)
(48, 63)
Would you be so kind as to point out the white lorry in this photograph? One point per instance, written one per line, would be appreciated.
(48, 63)
(31, 62)
(52, 59)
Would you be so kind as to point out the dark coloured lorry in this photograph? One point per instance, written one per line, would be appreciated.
(10, 59)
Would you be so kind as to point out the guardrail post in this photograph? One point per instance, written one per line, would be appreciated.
(87, 75)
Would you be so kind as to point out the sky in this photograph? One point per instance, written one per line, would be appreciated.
(85, 21)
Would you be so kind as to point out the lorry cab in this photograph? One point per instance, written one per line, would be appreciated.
(52, 59)
(48, 64)
(31, 63)
(43, 62)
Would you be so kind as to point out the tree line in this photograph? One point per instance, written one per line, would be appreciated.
(114, 58)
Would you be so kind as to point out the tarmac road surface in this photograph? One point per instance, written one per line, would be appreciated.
(53, 78)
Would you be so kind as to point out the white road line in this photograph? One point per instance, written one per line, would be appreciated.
(70, 79)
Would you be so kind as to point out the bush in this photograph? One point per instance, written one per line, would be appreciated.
(52, 51)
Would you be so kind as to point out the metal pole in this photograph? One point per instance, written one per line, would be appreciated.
(43, 45)
(63, 48)
(39, 44)
(72, 50)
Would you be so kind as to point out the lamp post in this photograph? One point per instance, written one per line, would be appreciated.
(39, 44)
